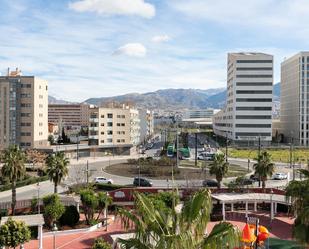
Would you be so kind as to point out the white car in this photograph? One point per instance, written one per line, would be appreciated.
(101, 179)
(280, 176)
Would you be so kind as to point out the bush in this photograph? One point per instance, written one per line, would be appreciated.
(76, 188)
(108, 187)
(101, 244)
(3, 213)
(25, 182)
(70, 217)
(53, 209)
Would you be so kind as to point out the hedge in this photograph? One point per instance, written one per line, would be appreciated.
(28, 181)
(108, 187)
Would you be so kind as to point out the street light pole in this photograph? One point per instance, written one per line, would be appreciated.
(39, 208)
(195, 150)
(226, 147)
(77, 147)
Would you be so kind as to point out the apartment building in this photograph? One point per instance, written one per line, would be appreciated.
(69, 115)
(23, 110)
(294, 113)
(248, 111)
(146, 124)
(114, 126)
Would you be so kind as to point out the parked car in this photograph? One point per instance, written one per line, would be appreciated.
(254, 177)
(246, 181)
(280, 176)
(143, 182)
(101, 179)
(210, 183)
(205, 156)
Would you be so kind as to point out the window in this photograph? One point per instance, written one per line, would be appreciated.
(122, 140)
(254, 84)
(118, 124)
(123, 116)
(40, 124)
(25, 124)
(253, 100)
(118, 140)
(253, 125)
(253, 116)
(25, 85)
(251, 134)
(102, 132)
(254, 76)
(40, 106)
(25, 95)
(123, 124)
(102, 116)
(109, 115)
(254, 92)
(102, 124)
(109, 132)
(109, 140)
(254, 61)
(25, 134)
(25, 105)
(257, 108)
(253, 68)
(118, 116)
(109, 124)
(25, 114)
(41, 115)
(102, 141)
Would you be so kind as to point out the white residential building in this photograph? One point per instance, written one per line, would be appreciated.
(146, 124)
(248, 111)
(114, 126)
(294, 113)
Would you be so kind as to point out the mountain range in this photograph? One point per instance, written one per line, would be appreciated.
(167, 99)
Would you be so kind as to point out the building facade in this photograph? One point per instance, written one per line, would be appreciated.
(114, 126)
(146, 124)
(248, 111)
(294, 113)
(69, 115)
(23, 110)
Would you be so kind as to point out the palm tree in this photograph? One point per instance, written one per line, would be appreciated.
(13, 168)
(176, 228)
(298, 192)
(57, 168)
(264, 167)
(219, 168)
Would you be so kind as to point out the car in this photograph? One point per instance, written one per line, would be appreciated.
(210, 183)
(142, 182)
(254, 177)
(280, 176)
(101, 179)
(246, 181)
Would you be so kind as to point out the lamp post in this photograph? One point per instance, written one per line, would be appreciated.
(54, 229)
(38, 187)
(77, 147)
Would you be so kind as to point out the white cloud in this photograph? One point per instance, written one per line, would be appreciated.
(131, 49)
(160, 38)
(115, 7)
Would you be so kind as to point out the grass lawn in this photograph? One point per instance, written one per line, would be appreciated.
(234, 170)
(278, 155)
(283, 244)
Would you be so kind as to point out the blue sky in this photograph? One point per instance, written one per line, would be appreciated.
(95, 48)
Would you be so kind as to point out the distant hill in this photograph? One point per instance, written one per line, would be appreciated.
(170, 98)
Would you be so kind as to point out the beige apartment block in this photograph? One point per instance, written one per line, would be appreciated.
(69, 115)
(294, 107)
(114, 126)
(23, 110)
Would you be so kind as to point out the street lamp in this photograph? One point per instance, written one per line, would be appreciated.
(54, 229)
(38, 187)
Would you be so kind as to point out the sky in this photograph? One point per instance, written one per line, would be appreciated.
(98, 48)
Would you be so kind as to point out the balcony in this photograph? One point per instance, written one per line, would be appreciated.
(93, 128)
(93, 136)
(94, 120)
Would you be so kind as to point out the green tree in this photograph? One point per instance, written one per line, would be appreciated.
(298, 192)
(101, 244)
(180, 228)
(57, 168)
(53, 209)
(219, 168)
(264, 167)
(94, 203)
(14, 233)
(13, 168)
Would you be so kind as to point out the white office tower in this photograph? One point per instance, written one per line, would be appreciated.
(294, 112)
(248, 111)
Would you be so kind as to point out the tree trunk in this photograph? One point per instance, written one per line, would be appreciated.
(13, 204)
(263, 184)
(56, 188)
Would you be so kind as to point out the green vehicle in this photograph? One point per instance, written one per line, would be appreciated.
(171, 150)
(184, 153)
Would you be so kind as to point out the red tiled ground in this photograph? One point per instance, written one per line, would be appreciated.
(281, 227)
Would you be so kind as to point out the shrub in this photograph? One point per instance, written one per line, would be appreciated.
(70, 216)
(53, 209)
(108, 187)
(101, 244)
(132, 161)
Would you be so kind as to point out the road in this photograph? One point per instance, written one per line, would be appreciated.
(78, 172)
